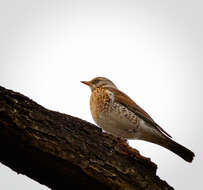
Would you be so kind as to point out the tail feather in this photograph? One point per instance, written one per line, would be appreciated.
(181, 151)
(164, 141)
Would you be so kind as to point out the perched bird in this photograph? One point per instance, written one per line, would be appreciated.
(118, 114)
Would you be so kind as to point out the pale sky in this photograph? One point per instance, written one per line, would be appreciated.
(152, 50)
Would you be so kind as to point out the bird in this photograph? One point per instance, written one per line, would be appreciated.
(117, 114)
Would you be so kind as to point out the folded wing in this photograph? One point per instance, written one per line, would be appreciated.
(126, 101)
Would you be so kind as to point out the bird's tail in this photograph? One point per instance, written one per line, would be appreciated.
(171, 145)
(180, 150)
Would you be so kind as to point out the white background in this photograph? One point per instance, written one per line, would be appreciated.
(152, 50)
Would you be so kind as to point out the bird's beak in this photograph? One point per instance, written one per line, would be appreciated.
(86, 82)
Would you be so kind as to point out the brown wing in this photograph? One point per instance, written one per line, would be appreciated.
(126, 101)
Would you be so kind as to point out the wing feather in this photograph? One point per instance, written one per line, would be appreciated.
(126, 101)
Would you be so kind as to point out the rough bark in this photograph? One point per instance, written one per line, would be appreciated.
(62, 152)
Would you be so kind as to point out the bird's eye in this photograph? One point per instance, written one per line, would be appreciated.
(96, 81)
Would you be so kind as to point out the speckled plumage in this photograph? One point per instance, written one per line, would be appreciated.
(106, 111)
(118, 114)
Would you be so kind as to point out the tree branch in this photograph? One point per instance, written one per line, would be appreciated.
(61, 151)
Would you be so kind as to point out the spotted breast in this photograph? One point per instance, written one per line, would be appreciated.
(112, 116)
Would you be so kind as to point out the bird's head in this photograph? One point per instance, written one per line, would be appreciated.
(99, 82)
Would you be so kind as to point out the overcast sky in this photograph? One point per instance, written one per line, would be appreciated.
(152, 50)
